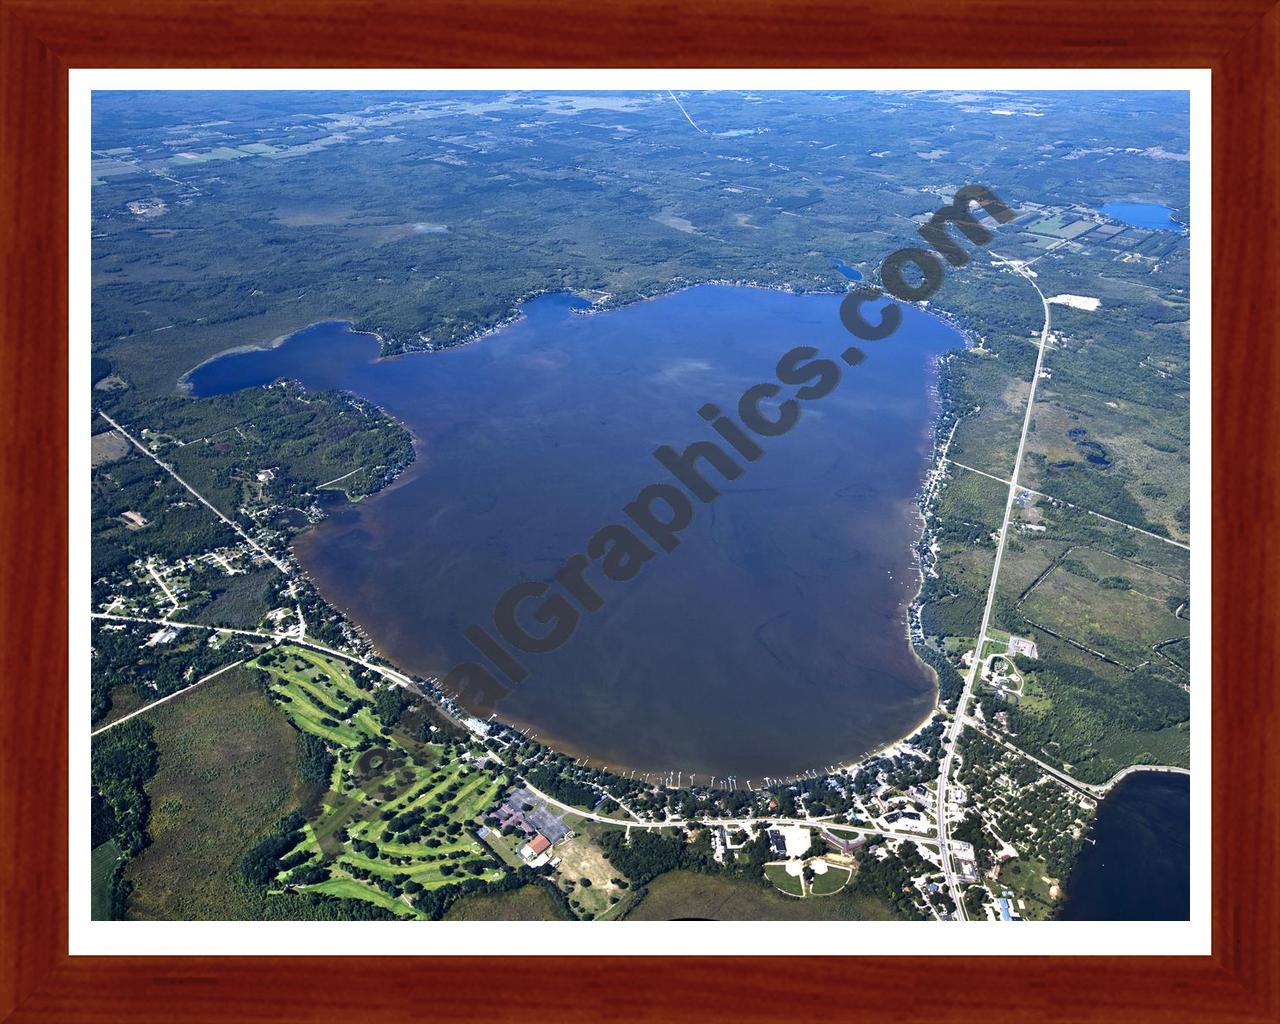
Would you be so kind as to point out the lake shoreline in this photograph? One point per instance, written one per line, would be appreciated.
(928, 465)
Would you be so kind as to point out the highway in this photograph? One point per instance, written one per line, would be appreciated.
(957, 723)
(398, 678)
(1078, 508)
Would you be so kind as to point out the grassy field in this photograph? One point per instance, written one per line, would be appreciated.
(124, 701)
(351, 889)
(688, 895)
(102, 864)
(400, 815)
(587, 876)
(318, 690)
(987, 436)
(1027, 878)
(974, 498)
(833, 881)
(1122, 612)
(529, 903)
(227, 769)
(783, 879)
(1055, 226)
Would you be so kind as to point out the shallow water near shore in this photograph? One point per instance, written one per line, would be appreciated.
(770, 642)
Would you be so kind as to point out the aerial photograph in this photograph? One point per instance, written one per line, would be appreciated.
(639, 506)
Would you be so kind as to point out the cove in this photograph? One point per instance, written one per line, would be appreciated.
(772, 641)
(1137, 867)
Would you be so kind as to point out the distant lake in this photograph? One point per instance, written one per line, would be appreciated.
(1139, 866)
(1143, 215)
(771, 641)
(852, 273)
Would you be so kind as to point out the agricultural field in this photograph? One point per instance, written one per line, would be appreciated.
(1061, 226)
(102, 866)
(218, 153)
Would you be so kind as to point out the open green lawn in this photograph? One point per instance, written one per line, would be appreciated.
(505, 847)
(780, 877)
(379, 780)
(1026, 877)
(351, 889)
(833, 881)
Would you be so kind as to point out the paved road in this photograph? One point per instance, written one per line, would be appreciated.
(1095, 790)
(727, 822)
(957, 723)
(1079, 508)
(176, 693)
(398, 678)
(284, 567)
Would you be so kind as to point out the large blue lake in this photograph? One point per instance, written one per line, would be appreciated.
(770, 641)
(1138, 867)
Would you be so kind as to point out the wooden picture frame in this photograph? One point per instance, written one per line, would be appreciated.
(42, 39)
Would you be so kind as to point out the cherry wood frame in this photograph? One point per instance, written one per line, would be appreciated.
(41, 39)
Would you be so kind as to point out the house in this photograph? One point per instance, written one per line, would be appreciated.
(534, 852)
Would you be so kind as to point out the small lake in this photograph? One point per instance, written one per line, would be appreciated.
(771, 641)
(1139, 866)
(1143, 215)
(852, 273)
